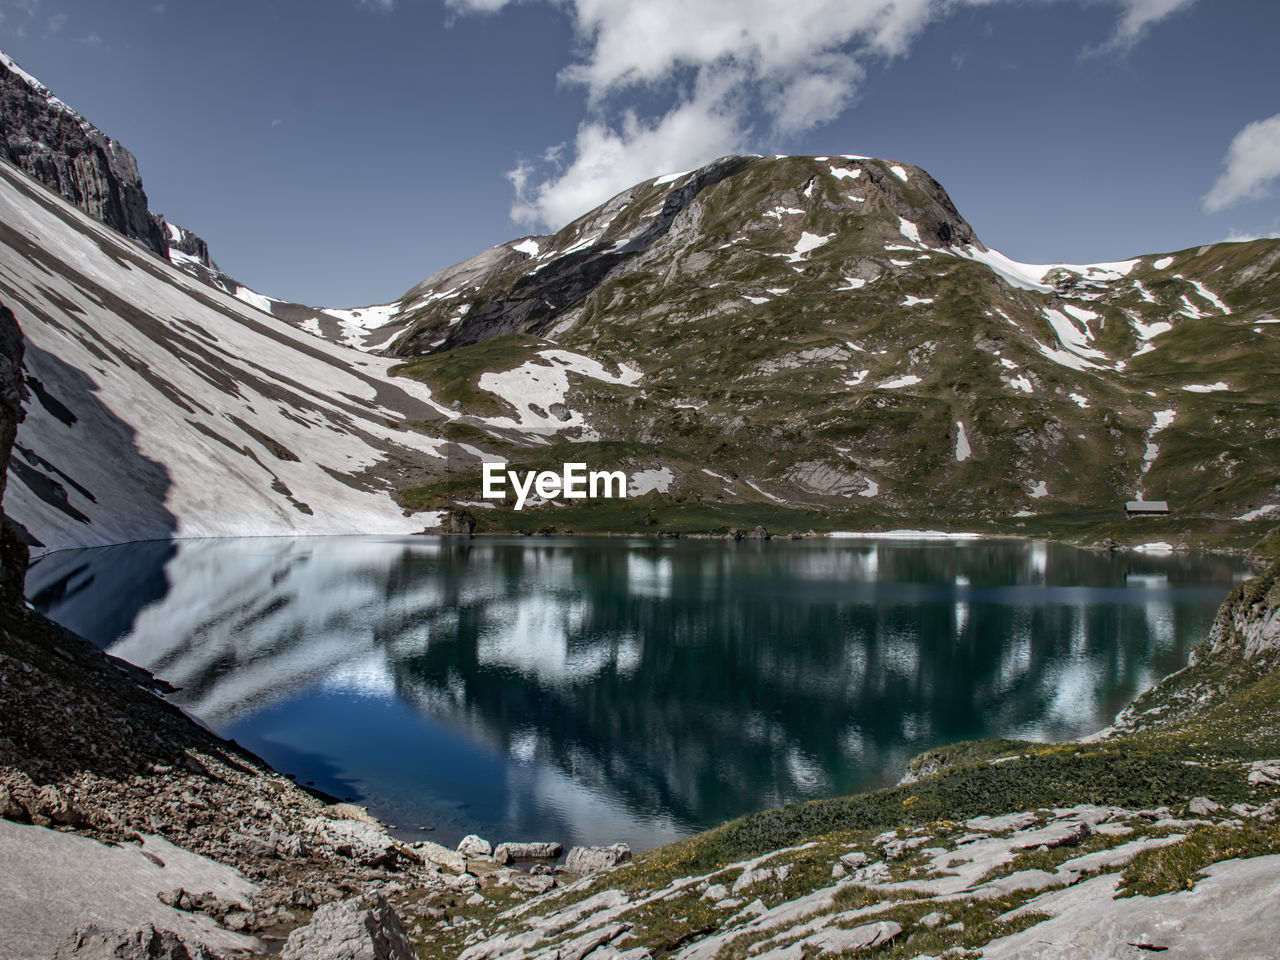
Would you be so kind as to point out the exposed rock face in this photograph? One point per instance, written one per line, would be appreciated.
(345, 931)
(596, 859)
(49, 141)
(94, 943)
(473, 846)
(537, 298)
(13, 550)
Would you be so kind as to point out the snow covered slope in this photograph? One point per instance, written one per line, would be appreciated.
(161, 407)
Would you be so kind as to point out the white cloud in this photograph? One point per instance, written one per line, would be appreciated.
(1244, 236)
(607, 160)
(797, 65)
(382, 6)
(476, 6)
(1137, 17)
(1252, 163)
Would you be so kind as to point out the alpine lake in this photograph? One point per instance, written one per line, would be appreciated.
(597, 690)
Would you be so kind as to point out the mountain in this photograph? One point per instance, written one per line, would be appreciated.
(159, 407)
(830, 334)
(797, 342)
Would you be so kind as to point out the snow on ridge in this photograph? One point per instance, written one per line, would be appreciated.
(1030, 276)
(899, 172)
(44, 92)
(529, 247)
(846, 173)
(669, 178)
(255, 299)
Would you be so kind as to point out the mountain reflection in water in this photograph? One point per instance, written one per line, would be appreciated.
(596, 690)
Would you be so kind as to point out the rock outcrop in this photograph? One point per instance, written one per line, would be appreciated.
(345, 930)
(148, 943)
(14, 553)
(52, 143)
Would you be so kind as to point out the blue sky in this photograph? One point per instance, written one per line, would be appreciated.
(336, 152)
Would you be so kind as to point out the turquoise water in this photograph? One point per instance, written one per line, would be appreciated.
(593, 690)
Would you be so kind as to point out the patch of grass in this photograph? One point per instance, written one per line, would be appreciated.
(452, 376)
(1179, 865)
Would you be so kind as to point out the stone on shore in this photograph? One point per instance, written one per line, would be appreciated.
(583, 860)
(344, 930)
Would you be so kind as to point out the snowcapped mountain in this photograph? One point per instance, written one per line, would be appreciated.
(797, 341)
(829, 333)
(160, 407)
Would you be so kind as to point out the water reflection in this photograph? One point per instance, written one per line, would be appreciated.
(593, 690)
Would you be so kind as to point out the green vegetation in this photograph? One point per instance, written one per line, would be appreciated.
(452, 376)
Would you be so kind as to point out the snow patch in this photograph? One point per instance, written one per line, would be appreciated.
(910, 380)
(1207, 387)
(846, 173)
(1260, 512)
(669, 178)
(963, 450)
(1039, 491)
(1206, 293)
(644, 481)
(854, 283)
(870, 490)
(909, 230)
(911, 301)
(1162, 263)
(1022, 383)
(1081, 401)
(898, 172)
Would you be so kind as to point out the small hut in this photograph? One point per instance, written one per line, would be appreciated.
(1146, 508)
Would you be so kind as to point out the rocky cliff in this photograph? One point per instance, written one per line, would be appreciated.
(49, 141)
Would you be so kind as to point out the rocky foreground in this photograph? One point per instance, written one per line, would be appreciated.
(129, 831)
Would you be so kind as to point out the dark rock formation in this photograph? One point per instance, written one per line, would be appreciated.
(14, 554)
(94, 943)
(346, 931)
(536, 299)
(52, 143)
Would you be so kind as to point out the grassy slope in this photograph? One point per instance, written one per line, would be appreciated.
(729, 386)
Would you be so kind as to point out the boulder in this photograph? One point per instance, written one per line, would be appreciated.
(1203, 805)
(53, 805)
(363, 841)
(10, 808)
(473, 846)
(506, 852)
(583, 860)
(440, 856)
(344, 930)
(146, 943)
